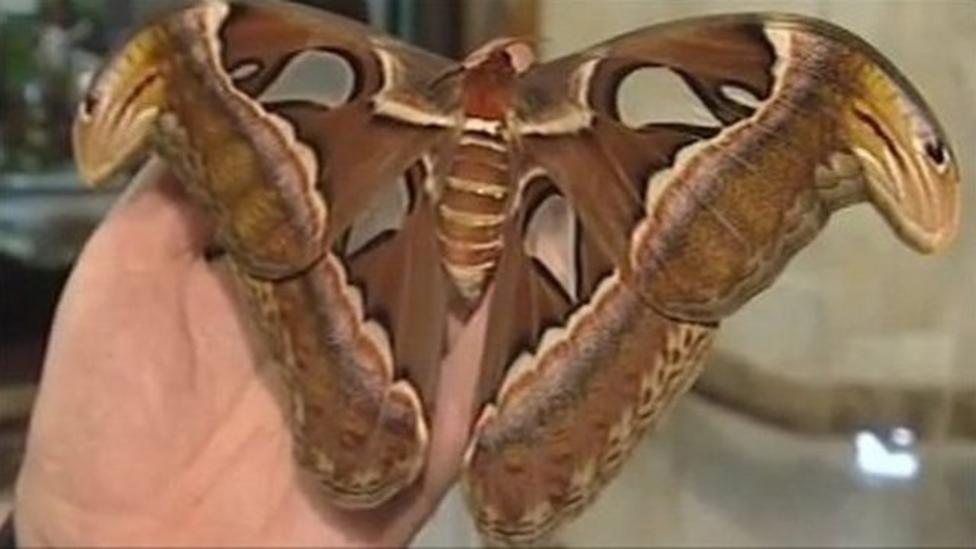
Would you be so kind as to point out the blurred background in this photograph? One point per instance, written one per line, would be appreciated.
(839, 407)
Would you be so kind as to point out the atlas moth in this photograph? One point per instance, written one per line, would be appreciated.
(387, 196)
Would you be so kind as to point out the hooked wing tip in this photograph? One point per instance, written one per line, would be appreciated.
(103, 149)
(924, 211)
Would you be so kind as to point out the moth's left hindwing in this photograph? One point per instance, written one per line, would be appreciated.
(576, 368)
(267, 112)
(675, 226)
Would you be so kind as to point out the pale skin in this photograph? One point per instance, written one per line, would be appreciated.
(158, 421)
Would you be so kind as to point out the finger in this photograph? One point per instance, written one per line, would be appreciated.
(454, 410)
(154, 224)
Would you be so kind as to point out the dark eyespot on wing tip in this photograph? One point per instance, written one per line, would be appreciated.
(89, 103)
(936, 150)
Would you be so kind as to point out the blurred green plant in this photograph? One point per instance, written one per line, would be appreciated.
(42, 55)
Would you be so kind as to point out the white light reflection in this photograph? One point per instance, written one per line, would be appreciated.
(876, 459)
(903, 436)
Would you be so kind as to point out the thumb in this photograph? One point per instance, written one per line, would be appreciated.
(154, 225)
(455, 410)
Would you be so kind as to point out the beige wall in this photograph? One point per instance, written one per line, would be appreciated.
(856, 305)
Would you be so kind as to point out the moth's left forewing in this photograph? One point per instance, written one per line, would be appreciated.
(810, 119)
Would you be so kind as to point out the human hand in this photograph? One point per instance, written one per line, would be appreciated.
(155, 423)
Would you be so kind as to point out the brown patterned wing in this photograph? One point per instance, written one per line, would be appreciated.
(309, 139)
(359, 338)
(277, 115)
(675, 226)
(807, 119)
(577, 367)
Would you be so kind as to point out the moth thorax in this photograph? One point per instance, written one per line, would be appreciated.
(471, 211)
(488, 91)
